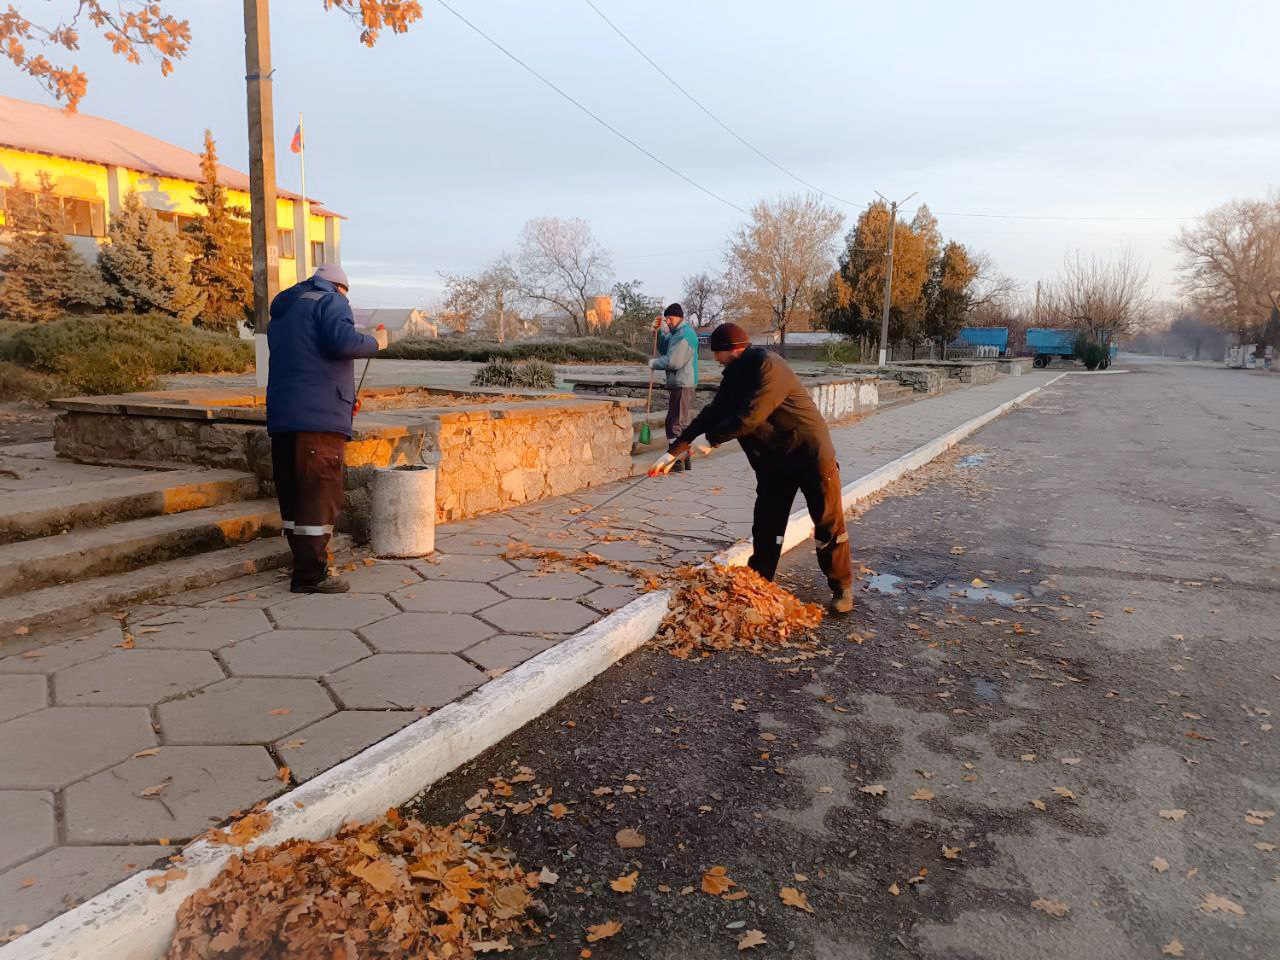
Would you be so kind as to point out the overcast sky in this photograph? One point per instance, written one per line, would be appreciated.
(438, 148)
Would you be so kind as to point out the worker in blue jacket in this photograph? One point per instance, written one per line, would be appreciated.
(678, 356)
(311, 395)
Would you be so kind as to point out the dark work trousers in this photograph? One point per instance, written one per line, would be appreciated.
(775, 493)
(308, 476)
(679, 412)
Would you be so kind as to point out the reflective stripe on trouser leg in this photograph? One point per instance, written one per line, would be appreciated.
(302, 530)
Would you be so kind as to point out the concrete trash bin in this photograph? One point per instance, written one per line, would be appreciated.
(403, 511)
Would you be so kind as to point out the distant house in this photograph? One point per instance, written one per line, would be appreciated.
(401, 324)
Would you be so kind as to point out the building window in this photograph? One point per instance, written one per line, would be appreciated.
(317, 252)
(286, 245)
(176, 222)
(79, 218)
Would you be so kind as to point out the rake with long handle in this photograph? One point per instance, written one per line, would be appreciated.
(645, 435)
(364, 373)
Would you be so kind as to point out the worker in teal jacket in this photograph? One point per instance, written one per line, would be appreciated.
(678, 356)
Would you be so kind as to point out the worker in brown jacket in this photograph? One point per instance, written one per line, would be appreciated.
(762, 404)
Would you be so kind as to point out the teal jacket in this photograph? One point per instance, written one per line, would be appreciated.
(678, 355)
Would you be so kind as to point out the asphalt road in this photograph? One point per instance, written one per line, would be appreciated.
(1078, 760)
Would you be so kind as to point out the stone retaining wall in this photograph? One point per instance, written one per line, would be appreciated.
(1015, 366)
(837, 397)
(489, 458)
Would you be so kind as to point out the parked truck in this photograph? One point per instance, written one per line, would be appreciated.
(1049, 343)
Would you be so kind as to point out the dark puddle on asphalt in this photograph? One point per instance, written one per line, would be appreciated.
(986, 690)
(886, 583)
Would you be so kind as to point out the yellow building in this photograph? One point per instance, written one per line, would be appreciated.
(96, 163)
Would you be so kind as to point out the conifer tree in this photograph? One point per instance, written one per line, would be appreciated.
(146, 265)
(42, 277)
(223, 257)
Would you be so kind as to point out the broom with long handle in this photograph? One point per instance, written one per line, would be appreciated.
(645, 435)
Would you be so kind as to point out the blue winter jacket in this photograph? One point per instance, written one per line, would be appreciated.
(314, 344)
(678, 355)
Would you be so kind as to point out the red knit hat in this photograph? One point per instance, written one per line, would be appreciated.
(729, 336)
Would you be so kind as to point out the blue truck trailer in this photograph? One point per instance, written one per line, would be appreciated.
(1049, 343)
(997, 337)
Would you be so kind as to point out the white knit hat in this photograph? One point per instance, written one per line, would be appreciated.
(333, 273)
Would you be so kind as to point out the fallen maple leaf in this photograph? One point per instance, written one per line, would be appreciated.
(1055, 908)
(548, 877)
(492, 946)
(162, 880)
(1175, 815)
(379, 874)
(1064, 793)
(1039, 804)
(602, 931)
(284, 774)
(1214, 904)
(895, 889)
(751, 938)
(716, 881)
(626, 883)
(1171, 949)
(922, 794)
(156, 790)
(1265, 847)
(629, 839)
(875, 789)
(951, 853)
(1160, 864)
(557, 810)
(794, 898)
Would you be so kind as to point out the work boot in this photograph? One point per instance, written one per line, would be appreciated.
(678, 467)
(688, 463)
(329, 584)
(841, 599)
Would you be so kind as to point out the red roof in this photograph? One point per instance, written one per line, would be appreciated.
(37, 128)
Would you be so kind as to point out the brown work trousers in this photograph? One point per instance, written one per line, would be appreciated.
(776, 490)
(308, 477)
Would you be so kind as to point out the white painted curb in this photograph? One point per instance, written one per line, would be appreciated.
(130, 921)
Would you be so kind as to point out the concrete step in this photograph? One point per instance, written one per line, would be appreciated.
(32, 565)
(75, 601)
(87, 505)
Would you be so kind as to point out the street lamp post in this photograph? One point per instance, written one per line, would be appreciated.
(262, 173)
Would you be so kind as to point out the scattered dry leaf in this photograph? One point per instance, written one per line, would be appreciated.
(1160, 864)
(557, 810)
(1216, 904)
(1171, 949)
(602, 931)
(1175, 815)
(1055, 908)
(895, 889)
(149, 752)
(716, 881)
(1064, 793)
(875, 789)
(626, 883)
(795, 898)
(629, 839)
(280, 711)
(160, 881)
(1039, 804)
(751, 938)
(922, 794)
(951, 853)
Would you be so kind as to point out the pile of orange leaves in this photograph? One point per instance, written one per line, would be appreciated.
(719, 608)
(389, 888)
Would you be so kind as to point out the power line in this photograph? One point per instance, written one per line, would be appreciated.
(701, 106)
(1015, 216)
(598, 119)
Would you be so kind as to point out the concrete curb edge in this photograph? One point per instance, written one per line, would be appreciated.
(132, 921)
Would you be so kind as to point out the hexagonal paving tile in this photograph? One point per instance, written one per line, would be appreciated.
(456, 567)
(380, 578)
(539, 616)
(314, 749)
(65, 653)
(609, 599)
(471, 544)
(342, 611)
(143, 677)
(21, 693)
(200, 628)
(426, 633)
(507, 650)
(65, 877)
(547, 586)
(405, 681)
(28, 826)
(201, 786)
(444, 596)
(244, 710)
(294, 653)
(630, 552)
(58, 745)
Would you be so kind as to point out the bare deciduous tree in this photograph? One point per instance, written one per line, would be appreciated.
(704, 298)
(1230, 267)
(486, 303)
(561, 265)
(1106, 298)
(779, 262)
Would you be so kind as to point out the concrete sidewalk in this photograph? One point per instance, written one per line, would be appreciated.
(118, 746)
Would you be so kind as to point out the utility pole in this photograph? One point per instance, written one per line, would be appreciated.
(262, 173)
(888, 275)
